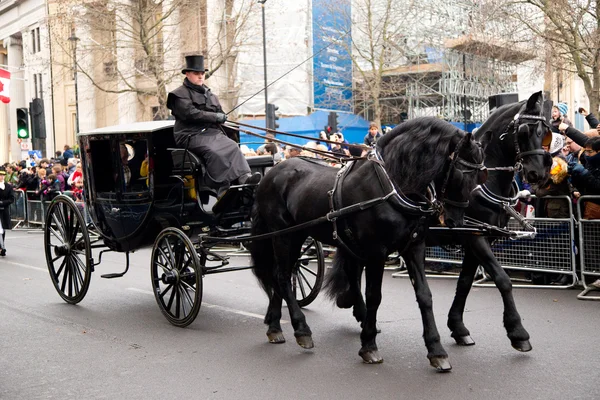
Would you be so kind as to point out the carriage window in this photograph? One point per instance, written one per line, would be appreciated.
(134, 165)
(102, 166)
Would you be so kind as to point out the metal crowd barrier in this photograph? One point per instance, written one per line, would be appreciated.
(36, 209)
(589, 249)
(18, 209)
(551, 251)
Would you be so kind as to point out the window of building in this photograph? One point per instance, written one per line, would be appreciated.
(37, 82)
(36, 46)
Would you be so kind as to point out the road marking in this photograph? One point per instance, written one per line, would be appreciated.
(17, 237)
(204, 304)
(23, 265)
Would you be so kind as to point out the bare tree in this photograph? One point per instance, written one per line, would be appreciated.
(140, 44)
(569, 31)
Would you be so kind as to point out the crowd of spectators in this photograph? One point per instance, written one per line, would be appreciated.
(575, 172)
(45, 178)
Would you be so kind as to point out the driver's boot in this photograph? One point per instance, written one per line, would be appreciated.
(250, 179)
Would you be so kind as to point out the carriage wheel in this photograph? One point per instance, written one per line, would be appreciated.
(308, 273)
(176, 277)
(68, 250)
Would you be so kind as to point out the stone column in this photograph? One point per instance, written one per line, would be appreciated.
(14, 48)
(127, 101)
(172, 46)
(86, 92)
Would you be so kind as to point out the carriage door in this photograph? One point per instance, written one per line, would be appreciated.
(123, 198)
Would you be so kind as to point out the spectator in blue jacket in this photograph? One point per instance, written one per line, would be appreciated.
(372, 135)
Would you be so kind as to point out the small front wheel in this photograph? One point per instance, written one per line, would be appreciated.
(176, 277)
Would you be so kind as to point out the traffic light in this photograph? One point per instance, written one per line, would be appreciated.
(22, 123)
(332, 122)
(272, 117)
(38, 120)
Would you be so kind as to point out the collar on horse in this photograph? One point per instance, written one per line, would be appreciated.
(398, 199)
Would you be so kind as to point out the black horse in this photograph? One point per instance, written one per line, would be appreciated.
(380, 207)
(512, 138)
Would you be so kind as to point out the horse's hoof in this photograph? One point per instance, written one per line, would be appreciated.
(371, 357)
(276, 337)
(521, 345)
(440, 363)
(464, 341)
(305, 342)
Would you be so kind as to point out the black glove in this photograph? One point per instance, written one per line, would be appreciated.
(221, 118)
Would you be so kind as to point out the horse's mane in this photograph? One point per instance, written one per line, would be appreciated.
(416, 151)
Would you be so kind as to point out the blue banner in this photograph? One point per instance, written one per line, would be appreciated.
(332, 65)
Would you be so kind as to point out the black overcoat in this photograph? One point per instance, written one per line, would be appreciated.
(6, 199)
(195, 110)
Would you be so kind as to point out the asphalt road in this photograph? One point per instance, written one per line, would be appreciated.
(116, 344)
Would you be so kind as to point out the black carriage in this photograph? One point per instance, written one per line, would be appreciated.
(140, 191)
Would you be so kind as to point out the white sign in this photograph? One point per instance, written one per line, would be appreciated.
(25, 146)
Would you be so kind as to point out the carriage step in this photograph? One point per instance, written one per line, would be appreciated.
(113, 275)
(118, 274)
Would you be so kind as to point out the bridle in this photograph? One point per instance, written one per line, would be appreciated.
(456, 160)
(516, 124)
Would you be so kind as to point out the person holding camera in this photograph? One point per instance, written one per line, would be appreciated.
(198, 116)
(590, 118)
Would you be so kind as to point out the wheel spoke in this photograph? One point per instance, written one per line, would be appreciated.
(53, 231)
(167, 259)
(65, 275)
(62, 265)
(70, 272)
(74, 233)
(177, 304)
(59, 224)
(164, 267)
(310, 271)
(76, 279)
(301, 286)
(164, 292)
(171, 298)
(305, 280)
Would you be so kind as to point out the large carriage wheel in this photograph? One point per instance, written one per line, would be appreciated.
(68, 250)
(308, 273)
(176, 277)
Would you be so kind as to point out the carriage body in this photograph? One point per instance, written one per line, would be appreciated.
(158, 185)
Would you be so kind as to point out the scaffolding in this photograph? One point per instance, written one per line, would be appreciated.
(454, 80)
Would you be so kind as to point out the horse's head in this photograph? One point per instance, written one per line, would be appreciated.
(530, 131)
(464, 171)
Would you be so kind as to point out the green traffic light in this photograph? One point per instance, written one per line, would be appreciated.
(22, 134)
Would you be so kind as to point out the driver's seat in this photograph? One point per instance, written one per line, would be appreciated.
(187, 163)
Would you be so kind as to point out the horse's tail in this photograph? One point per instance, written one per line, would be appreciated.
(337, 282)
(261, 252)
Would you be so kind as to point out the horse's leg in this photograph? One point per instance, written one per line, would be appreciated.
(374, 278)
(273, 319)
(352, 297)
(415, 265)
(518, 335)
(287, 252)
(460, 333)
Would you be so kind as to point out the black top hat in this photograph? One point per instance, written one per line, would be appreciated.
(194, 63)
